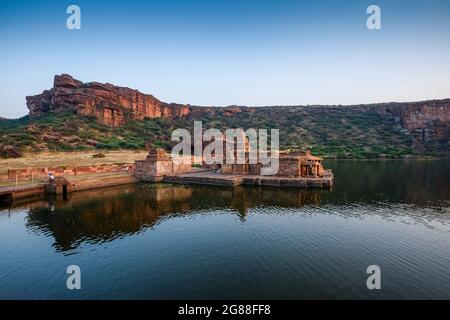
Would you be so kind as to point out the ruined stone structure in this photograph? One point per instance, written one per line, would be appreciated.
(300, 171)
(158, 164)
(290, 164)
(60, 186)
(110, 105)
(303, 165)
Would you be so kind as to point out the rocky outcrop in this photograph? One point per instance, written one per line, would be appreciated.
(110, 105)
(427, 121)
(10, 151)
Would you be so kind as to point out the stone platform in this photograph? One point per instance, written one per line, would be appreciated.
(217, 179)
(12, 194)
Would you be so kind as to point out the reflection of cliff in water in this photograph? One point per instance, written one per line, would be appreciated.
(105, 214)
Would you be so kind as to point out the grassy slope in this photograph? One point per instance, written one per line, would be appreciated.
(340, 132)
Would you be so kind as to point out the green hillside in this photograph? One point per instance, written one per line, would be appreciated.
(330, 132)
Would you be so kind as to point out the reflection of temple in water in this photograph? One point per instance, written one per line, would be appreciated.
(105, 214)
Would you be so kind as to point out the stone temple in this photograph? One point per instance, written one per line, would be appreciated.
(294, 170)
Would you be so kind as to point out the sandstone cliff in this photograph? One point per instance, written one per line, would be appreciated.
(426, 121)
(420, 127)
(110, 105)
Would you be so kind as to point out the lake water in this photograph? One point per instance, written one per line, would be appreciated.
(186, 242)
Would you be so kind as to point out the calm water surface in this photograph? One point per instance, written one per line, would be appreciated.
(187, 242)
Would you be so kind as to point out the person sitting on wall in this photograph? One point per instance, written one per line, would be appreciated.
(51, 178)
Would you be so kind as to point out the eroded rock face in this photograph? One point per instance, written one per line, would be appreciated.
(427, 121)
(110, 105)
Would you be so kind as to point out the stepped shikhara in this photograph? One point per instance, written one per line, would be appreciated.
(110, 105)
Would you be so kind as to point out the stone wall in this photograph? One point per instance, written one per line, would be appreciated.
(152, 170)
(42, 173)
(289, 167)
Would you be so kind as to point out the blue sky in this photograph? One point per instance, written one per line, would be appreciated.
(224, 52)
